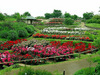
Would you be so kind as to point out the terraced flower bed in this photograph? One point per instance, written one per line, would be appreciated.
(54, 48)
(7, 45)
(66, 37)
(64, 30)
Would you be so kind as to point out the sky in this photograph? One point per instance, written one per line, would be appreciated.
(40, 7)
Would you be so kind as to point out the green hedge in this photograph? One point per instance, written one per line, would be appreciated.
(22, 32)
(30, 29)
(4, 34)
(12, 35)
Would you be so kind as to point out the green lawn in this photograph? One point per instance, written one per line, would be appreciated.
(96, 25)
(62, 40)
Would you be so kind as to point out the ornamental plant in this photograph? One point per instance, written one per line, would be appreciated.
(31, 43)
(6, 57)
(80, 47)
(42, 51)
(68, 37)
(7, 45)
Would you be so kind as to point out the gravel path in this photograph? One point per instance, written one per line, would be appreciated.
(70, 67)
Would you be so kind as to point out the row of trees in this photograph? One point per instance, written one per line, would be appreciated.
(17, 16)
(55, 14)
(58, 14)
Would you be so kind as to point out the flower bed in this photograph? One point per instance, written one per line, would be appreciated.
(7, 45)
(54, 23)
(80, 47)
(32, 42)
(67, 37)
(40, 51)
(64, 30)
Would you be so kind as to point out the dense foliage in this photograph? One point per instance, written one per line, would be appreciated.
(55, 14)
(94, 19)
(2, 17)
(14, 30)
(69, 21)
(88, 15)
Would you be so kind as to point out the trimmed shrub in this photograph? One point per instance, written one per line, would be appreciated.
(4, 34)
(29, 29)
(68, 21)
(22, 32)
(12, 35)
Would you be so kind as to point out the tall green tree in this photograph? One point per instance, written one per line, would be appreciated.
(48, 15)
(67, 15)
(88, 15)
(40, 17)
(75, 17)
(17, 16)
(2, 17)
(57, 13)
(68, 21)
(26, 14)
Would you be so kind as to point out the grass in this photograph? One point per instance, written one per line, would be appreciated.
(86, 71)
(2, 39)
(5, 50)
(62, 40)
(14, 71)
(40, 27)
(96, 25)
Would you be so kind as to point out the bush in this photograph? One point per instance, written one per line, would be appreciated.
(29, 29)
(97, 69)
(22, 32)
(91, 36)
(12, 35)
(94, 19)
(4, 34)
(30, 71)
(97, 42)
(68, 21)
(86, 71)
(9, 25)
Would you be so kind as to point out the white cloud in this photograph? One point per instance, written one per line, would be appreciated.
(40, 7)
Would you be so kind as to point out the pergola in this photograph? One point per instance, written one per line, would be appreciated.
(29, 19)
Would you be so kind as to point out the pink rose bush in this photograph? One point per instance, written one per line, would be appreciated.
(7, 57)
(55, 48)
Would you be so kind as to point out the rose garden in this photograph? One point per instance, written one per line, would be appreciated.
(52, 41)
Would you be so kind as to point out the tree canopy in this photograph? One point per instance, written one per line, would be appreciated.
(2, 17)
(55, 14)
(26, 14)
(67, 15)
(88, 15)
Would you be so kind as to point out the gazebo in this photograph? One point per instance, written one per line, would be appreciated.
(29, 19)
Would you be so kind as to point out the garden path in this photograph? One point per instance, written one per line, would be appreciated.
(70, 67)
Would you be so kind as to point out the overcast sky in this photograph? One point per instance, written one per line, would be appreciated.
(40, 7)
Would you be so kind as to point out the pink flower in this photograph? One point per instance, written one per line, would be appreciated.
(68, 53)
